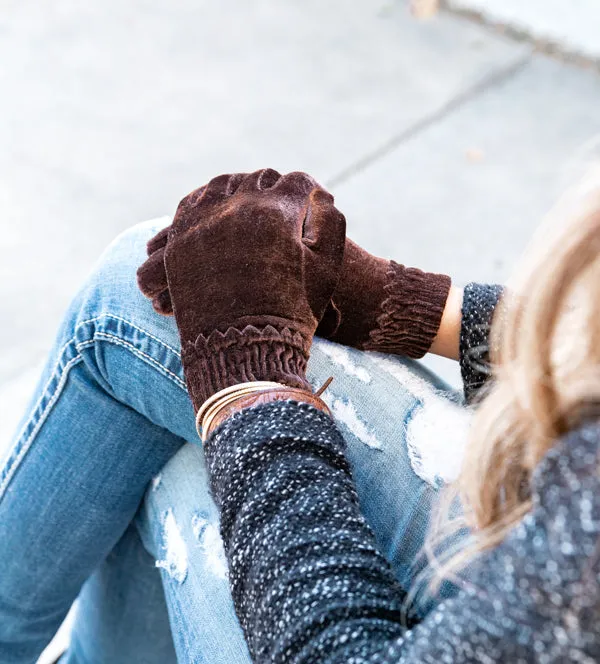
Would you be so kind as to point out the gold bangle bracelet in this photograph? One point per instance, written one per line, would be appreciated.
(218, 406)
(229, 394)
(236, 402)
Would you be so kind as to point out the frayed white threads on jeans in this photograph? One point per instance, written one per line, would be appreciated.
(175, 562)
(211, 543)
(343, 358)
(436, 433)
(345, 412)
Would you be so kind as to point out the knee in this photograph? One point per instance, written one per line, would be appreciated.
(114, 275)
(110, 309)
(111, 286)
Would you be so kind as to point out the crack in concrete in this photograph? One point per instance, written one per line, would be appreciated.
(549, 47)
(497, 78)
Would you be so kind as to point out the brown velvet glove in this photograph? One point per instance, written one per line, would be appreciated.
(251, 262)
(378, 304)
(385, 306)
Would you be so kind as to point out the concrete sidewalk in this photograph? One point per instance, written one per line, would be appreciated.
(443, 142)
(569, 26)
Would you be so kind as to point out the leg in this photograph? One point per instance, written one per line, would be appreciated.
(121, 610)
(180, 527)
(77, 471)
(112, 409)
(393, 414)
(406, 432)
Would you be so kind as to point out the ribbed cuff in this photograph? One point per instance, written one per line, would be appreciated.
(240, 355)
(412, 311)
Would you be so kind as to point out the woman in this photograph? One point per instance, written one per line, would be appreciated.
(308, 582)
(88, 508)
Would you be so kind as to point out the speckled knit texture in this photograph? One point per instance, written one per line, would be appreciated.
(479, 306)
(310, 586)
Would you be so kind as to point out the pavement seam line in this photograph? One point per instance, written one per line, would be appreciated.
(497, 78)
(549, 46)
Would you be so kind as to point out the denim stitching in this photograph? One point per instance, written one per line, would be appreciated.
(37, 404)
(72, 339)
(13, 463)
(128, 322)
(148, 334)
(120, 342)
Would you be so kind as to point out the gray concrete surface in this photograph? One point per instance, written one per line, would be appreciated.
(444, 144)
(572, 25)
(113, 111)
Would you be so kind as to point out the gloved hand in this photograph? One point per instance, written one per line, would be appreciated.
(378, 304)
(251, 262)
(384, 306)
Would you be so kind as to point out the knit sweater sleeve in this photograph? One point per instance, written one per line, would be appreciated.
(480, 303)
(309, 585)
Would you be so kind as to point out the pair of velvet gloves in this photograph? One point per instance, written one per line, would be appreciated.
(255, 264)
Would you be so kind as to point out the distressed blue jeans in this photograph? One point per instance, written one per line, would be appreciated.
(104, 495)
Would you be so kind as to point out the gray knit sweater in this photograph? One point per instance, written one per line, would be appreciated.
(310, 586)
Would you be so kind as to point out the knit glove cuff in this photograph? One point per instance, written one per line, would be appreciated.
(411, 311)
(244, 354)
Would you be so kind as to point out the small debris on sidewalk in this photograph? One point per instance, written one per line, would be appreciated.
(424, 8)
(475, 155)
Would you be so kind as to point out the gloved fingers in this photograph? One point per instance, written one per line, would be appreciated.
(152, 276)
(328, 325)
(193, 198)
(234, 183)
(324, 236)
(159, 241)
(259, 180)
(324, 228)
(216, 190)
(291, 195)
(186, 215)
(295, 184)
(190, 211)
(162, 303)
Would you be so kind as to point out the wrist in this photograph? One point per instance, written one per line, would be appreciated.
(447, 340)
(226, 403)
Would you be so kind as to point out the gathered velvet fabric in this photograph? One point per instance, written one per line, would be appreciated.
(384, 306)
(251, 262)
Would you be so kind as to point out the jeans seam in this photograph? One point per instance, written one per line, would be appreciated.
(72, 339)
(13, 462)
(111, 338)
(133, 325)
(47, 385)
(142, 330)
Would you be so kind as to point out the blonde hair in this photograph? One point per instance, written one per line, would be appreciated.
(545, 353)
